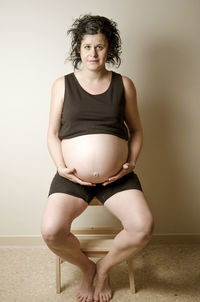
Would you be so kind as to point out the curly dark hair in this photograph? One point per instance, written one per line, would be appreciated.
(90, 24)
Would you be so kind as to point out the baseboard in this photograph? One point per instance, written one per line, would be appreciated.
(37, 241)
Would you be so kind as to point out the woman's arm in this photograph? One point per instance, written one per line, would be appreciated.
(53, 142)
(132, 120)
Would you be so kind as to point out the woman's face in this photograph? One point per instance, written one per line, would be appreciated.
(93, 51)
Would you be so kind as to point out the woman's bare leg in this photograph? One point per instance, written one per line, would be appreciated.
(61, 209)
(131, 209)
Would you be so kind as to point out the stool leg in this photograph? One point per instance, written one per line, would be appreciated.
(131, 276)
(58, 275)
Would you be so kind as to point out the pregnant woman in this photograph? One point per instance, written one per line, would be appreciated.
(94, 138)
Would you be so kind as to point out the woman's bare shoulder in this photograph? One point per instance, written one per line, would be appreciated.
(127, 81)
(58, 83)
(128, 85)
(58, 89)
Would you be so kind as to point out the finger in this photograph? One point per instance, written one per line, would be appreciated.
(118, 175)
(87, 183)
(126, 166)
(114, 178)
(130, 166)
(109, 181)
(81, 182)
(71, 170)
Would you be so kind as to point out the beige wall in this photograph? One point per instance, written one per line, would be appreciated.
(161, 47)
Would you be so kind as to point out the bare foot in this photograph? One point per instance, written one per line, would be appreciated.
(86, 290)
(103, 291)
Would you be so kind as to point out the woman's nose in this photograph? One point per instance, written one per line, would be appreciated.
(93, 52)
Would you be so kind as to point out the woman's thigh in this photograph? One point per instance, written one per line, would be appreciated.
(131, 208)
(60, 210)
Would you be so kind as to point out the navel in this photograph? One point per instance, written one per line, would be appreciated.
(96, 174)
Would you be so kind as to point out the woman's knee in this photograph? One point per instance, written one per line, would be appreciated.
(146, 231)
(54, 235)
(140, 232)
(61, 209)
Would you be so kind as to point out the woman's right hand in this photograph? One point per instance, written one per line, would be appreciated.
(69, 174)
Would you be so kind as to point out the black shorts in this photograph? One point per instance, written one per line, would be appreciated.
(60, 184)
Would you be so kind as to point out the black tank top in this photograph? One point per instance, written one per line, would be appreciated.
(85, 113)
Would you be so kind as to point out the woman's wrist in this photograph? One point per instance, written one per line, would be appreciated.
(132, 163)
(60, 168)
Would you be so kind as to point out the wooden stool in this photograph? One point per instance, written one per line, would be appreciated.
(96, 248)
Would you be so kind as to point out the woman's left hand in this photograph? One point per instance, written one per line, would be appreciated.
(126, 168)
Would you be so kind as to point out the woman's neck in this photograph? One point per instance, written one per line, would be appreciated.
(93, 74)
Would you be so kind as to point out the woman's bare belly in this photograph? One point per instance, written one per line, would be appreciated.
(95, 156)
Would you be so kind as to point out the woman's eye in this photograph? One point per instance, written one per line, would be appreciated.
(87, 47)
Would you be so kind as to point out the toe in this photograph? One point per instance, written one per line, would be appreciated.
(96, 298)
(106, 298)
(102, 298)
(81, 299)
(78, 296)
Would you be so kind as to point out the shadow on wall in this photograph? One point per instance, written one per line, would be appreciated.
(168, 122)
